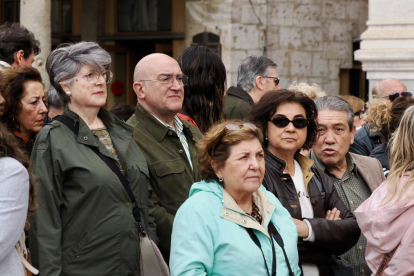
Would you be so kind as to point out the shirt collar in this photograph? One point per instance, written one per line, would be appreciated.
(177, 124)
(349, 161)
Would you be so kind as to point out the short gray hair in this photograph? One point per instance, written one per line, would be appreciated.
(334, 103)
(250, 68)
(68, 59)
(53, 99)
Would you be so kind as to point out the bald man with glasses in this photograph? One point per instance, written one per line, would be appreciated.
(167, 142)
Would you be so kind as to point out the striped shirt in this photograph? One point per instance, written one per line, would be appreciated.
(353, 191)
(179, 127)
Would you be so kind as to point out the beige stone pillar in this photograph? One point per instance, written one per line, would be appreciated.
(387, 47)
(35, 16)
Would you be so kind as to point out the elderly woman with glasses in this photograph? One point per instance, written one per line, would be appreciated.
(231, 225)
(325, 226)
(85, 223)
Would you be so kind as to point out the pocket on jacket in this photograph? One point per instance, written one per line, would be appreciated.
(165, 168)
(74, 250)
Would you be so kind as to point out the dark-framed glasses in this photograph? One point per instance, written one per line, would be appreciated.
(233, 127)
(281, 121)
(94, 76)
(360, 114)
(169, 79)
(395, 95)
(276, 80)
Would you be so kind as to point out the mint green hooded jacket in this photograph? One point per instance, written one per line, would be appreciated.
(209, 235)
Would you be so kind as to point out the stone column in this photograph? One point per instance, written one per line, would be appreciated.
(387, 47)
(35, 16)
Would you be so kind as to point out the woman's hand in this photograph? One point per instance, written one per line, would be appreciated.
(333, 215)
(303, 229)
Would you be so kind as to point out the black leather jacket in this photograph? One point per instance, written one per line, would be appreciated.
(331, 237)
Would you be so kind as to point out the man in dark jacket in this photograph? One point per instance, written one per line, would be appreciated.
(168, 143)
(256, 76)
(355, 177)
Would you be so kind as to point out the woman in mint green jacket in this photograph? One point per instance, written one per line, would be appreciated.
(231, 225)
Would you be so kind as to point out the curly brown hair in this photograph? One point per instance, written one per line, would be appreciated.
(9, 147)
(217, 142)
(268, 104)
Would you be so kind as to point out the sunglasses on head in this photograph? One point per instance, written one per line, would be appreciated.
(233, 127)
(281, 121)
(395, 95)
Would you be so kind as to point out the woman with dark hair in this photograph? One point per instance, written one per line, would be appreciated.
(325, 226)
(203, 95)
(17, 201)
(87, 222)
(25, 107)
(231, 225)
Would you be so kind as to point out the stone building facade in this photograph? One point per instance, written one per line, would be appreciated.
(310, 40)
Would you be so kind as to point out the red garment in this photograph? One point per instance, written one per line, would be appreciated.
(187, 118)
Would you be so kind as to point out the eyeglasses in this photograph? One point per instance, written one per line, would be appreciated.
(360, 113)
(169, 80)
(281, 121)
(94, 76)
(395, 95)
(233, 127)
(276, 80)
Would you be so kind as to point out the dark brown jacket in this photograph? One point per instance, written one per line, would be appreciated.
(331, 237)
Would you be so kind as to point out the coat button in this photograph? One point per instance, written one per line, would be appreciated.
(77, 257)
(226, 214)
(123, 131)
(85, 138)
(244, 221)
(180, 151)
(127, 204)
(170, 132)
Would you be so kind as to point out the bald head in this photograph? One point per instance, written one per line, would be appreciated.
(150, 65)
(388, 86)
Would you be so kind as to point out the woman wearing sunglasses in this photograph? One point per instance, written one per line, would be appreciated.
(231, 225)
(325, 226)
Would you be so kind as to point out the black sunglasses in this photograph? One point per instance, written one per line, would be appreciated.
(276, 80)
(281, 121)
(395, 95)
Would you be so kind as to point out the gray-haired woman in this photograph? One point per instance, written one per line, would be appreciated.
(85, 224)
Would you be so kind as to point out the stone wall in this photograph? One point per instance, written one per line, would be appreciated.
(310, 40)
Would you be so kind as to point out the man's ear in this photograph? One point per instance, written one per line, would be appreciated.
(18, 58)
(139, 89)
(352, 135)
(259, 81)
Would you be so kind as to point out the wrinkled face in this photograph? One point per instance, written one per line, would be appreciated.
(244, 169)
(159, 97)
(2, 101)
(285, 141)
(334, 138)
(85, 94)
(31, 115)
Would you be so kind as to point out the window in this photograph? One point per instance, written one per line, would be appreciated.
(61, 17)
(10, 11)
(144, 15)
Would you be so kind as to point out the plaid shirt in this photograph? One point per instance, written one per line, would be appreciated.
(353, 191)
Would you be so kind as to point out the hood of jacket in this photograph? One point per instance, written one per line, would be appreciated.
(385, 225)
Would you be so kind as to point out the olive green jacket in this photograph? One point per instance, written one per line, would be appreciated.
(237, 104)
(84, 225)
(171, 175)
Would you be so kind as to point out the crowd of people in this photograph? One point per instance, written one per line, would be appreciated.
(250, 180)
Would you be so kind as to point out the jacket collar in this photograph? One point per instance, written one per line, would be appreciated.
(351, 165)
(232, 212)
(240, 93)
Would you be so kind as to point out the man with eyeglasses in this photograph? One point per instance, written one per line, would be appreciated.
(355, 177)
(257, 75)
(168, 143)
(366, 139)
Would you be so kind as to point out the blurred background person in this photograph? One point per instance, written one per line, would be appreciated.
(313, 90)
(229, 210)
(85, 223)
(203, 95)
(2, 100)
(325, 226)
(384, 120)
(122, 111)
(17, 201)
(358, 106)
(25, 105)
(386, 218)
